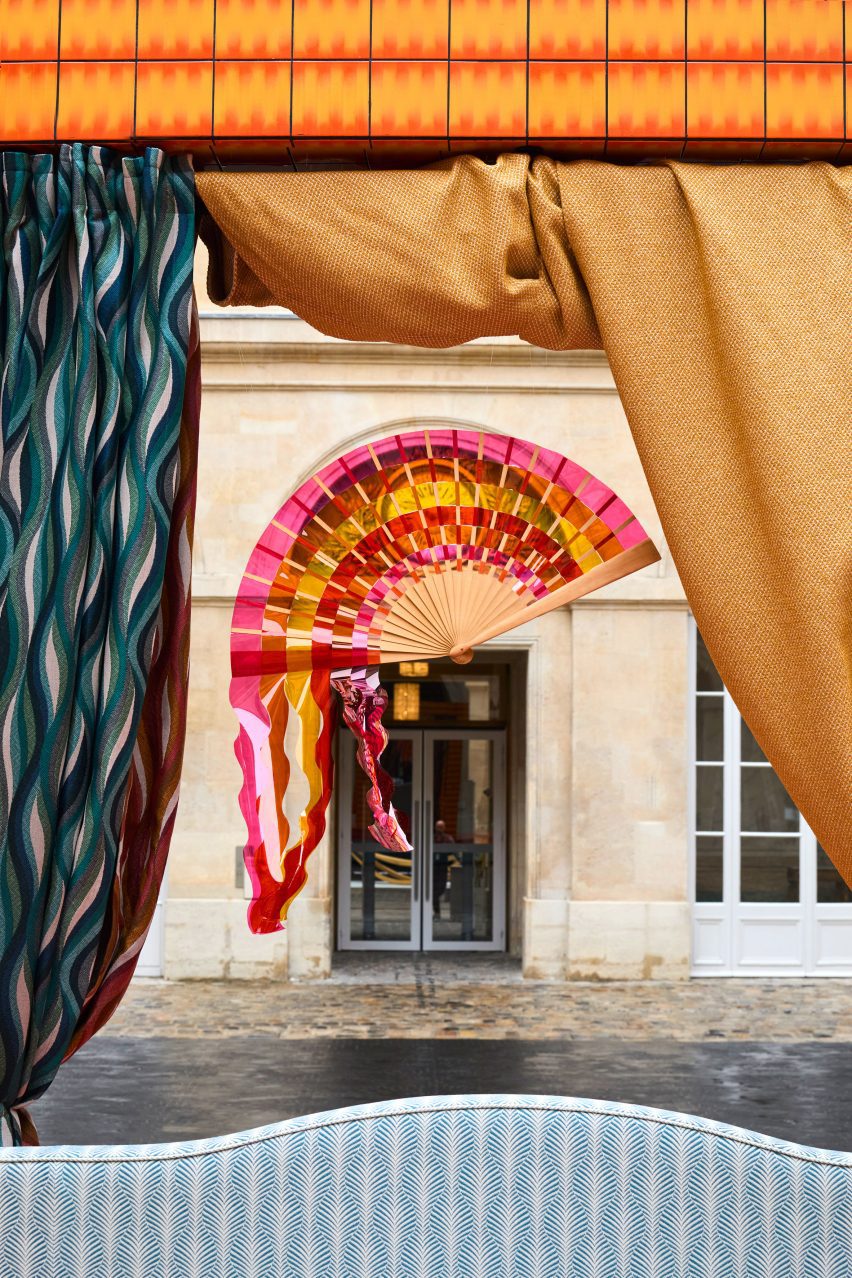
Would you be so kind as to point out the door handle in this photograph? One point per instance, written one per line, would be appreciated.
(415, 851)
(427, 849)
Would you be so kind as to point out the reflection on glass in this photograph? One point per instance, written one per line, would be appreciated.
(765, 806)
(831, 889)
(751, 751)
(708, 867)
(708, 798)
(380, 881)
(708, 678)
(708, 729)
(769, 870)
(462, 886)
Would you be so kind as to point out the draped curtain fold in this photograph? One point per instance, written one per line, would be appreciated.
(99, 413)
(721, 296)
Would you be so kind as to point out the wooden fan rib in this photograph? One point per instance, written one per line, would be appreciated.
(429, 632)
(480, 593)
(417, 651)
(452, 584)
(418, 599)
(423, 649)
(443, 584)
(399, 630)
(435, 588)
(394, 655)
(500, 617)
(406, 616)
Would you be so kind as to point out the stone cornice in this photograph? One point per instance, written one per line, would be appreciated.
(217, 351)
(297, 367)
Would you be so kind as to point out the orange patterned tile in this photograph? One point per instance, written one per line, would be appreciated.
(266, 151)
(252, 99)
(800, 151)
(96, 101)
(489, 29)
(402, 153)
(259, 29)
(568, 29)
(721, 149)
(643, 149)
(101, 30)
(331, 29)
(804, 30)
(177, 29)
(174, 100)
(28, 30)
(27, 102)
(409, 99)
(804, 101)
(725, 99)
(488, 99)
(410, 28)
(728, 29)
(331, 99)
(576, 148)
(567, 99)
(652, 29)
(646, 100)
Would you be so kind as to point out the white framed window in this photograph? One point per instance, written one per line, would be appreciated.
(152, 959)
(767, 899)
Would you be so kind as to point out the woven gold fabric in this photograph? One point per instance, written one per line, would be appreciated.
(722, 298)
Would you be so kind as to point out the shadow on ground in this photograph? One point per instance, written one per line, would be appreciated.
(127, 1089)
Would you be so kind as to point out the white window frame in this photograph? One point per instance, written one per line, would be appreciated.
(819, 935)
(152, 960)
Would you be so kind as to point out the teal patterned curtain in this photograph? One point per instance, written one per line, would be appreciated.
(96, 497)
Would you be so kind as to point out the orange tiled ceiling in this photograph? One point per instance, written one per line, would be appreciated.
(298, 80)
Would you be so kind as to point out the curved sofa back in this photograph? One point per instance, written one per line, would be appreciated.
(459, 1185)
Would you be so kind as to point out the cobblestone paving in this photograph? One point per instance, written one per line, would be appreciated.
(426, 998)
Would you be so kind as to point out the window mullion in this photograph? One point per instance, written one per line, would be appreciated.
(731, 809)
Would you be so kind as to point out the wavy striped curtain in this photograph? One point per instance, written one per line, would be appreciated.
(99, 409)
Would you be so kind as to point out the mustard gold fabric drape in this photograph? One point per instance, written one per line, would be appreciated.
(722, 298)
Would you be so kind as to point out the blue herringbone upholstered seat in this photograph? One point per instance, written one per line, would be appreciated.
(464, 1185)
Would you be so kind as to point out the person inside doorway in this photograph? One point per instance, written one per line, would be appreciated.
(440, 867)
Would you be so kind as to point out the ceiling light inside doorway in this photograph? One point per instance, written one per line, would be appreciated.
(406, 701)
(414, 669)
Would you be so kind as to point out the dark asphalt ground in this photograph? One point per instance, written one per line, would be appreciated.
(119, 1090)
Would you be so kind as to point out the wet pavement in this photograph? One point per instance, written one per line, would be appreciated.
(190, 1059)
(145, 1089)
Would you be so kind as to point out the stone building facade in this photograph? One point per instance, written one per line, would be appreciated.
(601, 700)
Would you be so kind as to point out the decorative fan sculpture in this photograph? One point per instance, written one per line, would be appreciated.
(420, 546)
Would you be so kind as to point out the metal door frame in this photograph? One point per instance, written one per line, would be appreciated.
(498, 816)
(346, 772)
(421, 888)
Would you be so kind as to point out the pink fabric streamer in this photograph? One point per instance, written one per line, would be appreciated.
(364, 703)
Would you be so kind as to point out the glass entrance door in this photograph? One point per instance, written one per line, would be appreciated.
(449, 893)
